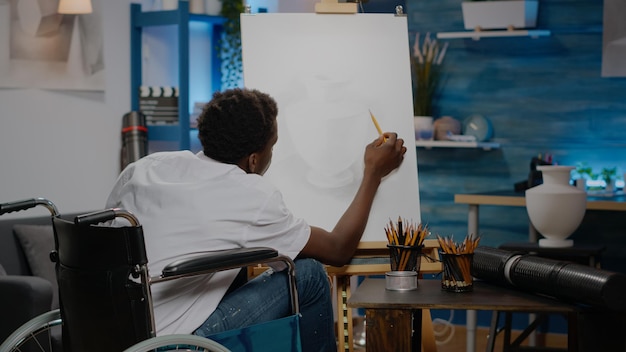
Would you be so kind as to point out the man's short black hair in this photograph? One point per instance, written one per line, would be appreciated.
(236, 123)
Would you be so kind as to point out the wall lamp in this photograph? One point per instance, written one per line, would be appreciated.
(75, 7)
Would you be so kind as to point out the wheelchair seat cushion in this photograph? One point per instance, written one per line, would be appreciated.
(37, 241)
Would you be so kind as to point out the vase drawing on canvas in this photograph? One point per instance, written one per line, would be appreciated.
(317, 124)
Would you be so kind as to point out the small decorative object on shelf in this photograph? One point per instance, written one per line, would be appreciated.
(479, 127)
(498, 18)
(159, 104)
(555, 199)
(426, 65)
(446, 125)
(424, 129)
(608, 175)
(503, 14)
(213, 7)
(583, 173)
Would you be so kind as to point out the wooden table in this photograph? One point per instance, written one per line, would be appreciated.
(392, 316)
(517, 199)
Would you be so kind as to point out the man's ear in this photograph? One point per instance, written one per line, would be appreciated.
(252, 163)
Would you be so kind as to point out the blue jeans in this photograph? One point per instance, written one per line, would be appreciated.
(266, 297)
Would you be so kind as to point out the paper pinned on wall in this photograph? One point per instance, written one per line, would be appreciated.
(614, 39)
(326, 73)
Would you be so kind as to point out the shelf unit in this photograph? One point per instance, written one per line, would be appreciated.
(476, 35)
(454, 144)
(181, 19)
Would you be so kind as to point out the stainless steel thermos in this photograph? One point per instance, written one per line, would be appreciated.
(134, 137)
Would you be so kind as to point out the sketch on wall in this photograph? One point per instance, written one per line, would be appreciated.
(40, 48)
(614, 39)
(327, 72)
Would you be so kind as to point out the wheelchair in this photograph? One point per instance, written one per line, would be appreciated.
(105, 297)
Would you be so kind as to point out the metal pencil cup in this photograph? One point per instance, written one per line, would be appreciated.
(405, 266)
(405, 258)
(457, 275)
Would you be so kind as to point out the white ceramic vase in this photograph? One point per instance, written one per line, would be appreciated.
(555, 208)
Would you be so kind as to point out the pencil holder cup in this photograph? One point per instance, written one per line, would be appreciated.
(405, 258)
(401, 280)
(457, 275)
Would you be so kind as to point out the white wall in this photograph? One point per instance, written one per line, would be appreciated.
(65, 145)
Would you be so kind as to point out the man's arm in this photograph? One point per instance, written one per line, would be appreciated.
(338, 246)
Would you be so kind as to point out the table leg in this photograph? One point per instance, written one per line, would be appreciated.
(429, 344)
(572, 332)
(390, 330)
(532, 238)
(493, 331)
(472, 220)
(471, 316)
(471, 330)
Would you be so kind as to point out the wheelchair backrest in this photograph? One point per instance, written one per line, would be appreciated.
(104, 306)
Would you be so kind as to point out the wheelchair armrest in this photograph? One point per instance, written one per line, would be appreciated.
(219, 260)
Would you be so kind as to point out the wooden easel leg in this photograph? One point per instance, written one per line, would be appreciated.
(428, 334)
(344, 315)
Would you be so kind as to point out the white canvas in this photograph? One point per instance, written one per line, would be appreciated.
(327, 72)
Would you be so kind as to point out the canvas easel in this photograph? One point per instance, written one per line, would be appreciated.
(282, 56)
(334, 6)
(369, 250)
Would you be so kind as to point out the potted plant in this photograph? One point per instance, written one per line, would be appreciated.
(230, 43)
(583, 172)
(499, 14)
(426, 65)
(608, 175)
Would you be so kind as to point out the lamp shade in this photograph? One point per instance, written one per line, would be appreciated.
(75, 7)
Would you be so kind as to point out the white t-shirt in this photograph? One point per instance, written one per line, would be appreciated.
(189, 204)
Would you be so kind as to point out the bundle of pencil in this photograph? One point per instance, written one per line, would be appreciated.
(468, 245)
(411, 237)
(457, 260)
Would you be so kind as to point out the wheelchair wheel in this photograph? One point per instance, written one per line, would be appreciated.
(36, 334)
(177, 343)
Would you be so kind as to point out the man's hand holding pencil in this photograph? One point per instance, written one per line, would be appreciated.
(385, 153)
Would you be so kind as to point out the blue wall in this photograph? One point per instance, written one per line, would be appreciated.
(543, 95)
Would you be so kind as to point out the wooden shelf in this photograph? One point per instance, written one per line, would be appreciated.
(453, 144)
(476, 35)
